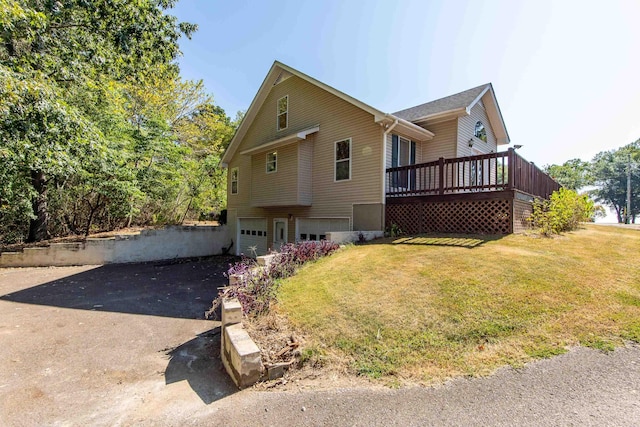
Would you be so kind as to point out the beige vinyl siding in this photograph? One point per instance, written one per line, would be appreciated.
(309, 106)
(305, 169)
(388, 146)
(466, 131)
(279, 188)
(443, 143)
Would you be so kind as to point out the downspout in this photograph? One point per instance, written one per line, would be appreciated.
(384, 169)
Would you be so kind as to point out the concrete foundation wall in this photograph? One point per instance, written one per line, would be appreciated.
(353, 236)
(150, 245)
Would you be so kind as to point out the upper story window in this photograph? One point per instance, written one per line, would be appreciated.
(283, 112)
(343, 160)
(272, 162)
(234, 181)
(480, 131)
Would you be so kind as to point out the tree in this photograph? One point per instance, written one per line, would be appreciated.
(53, 56)
(573, 174)
(42, 136)
(610, 170)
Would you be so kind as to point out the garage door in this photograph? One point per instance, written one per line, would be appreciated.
(316, 228)
(252, 236)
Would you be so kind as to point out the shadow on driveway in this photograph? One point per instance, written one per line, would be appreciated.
(198, 362)
(181, 289)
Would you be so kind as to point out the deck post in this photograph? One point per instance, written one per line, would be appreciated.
(441, 175)
(511, 163)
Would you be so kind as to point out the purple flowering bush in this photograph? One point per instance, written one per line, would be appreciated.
(256, 287)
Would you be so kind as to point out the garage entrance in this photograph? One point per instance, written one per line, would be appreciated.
(252, 236)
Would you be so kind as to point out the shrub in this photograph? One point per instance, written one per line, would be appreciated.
(256, 287)
(394, 231)
(562, 212)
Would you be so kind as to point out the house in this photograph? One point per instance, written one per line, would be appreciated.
(308, 159)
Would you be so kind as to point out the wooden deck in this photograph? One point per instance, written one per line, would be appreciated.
(485, 194)
(488, 172)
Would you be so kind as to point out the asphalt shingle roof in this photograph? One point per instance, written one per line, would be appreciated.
(452, 102)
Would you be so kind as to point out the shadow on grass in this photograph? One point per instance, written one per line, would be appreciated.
(198, 362)
(460, 241)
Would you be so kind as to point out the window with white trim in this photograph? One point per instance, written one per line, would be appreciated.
(343, 160)
(283, 112)
(234, 181)
(272, 162)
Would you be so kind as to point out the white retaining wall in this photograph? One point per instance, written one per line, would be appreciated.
(352, 236)
(149, 245)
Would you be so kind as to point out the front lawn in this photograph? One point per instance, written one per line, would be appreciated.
(430, 308)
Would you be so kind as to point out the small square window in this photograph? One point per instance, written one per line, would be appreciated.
(253, 232)
(323, 237)
(313, 237)
(272, 162)
(241, 231)
(303, 236)
(283, 112)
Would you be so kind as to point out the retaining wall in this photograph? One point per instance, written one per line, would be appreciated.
(149, 245)
(353, 236)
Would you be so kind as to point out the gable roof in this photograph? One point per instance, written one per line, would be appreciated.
(277, 71)
(460, 104)
(448, 103)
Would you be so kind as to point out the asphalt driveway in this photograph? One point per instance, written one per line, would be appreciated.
(128, 345)
(106, 345)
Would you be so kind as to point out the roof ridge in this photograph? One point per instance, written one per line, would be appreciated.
(444, 98)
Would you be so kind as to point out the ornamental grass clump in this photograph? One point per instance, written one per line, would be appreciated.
(256, 286)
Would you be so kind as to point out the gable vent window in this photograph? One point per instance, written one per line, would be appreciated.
(272, 162)
(343, 160)
(480, 132)
(283, 112)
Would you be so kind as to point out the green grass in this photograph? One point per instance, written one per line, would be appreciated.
(429, 308)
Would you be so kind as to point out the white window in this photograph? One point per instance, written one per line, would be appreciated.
(343, 160)
(234, 181)
(283, 112)
(272, 162)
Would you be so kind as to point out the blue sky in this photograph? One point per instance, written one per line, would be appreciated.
(566, 73)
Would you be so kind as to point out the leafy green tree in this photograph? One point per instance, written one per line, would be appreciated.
(573, 174)
(55, 58)
(42, 137)
(610, 173)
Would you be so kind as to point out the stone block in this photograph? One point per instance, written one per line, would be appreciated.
(241, 356)
(265, 260)
(277, 370)
(234, 278)
(231, 312)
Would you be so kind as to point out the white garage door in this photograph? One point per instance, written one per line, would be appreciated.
(316, 228)
(252, 236)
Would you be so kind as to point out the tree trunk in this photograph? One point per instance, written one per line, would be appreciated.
(618, 213)
(92, 211)
(39, 227)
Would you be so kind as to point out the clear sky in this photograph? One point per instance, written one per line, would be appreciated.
(566, 73)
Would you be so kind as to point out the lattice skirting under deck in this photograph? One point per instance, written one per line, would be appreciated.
(493, 216)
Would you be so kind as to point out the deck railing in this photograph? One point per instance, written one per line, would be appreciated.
(487, 172)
